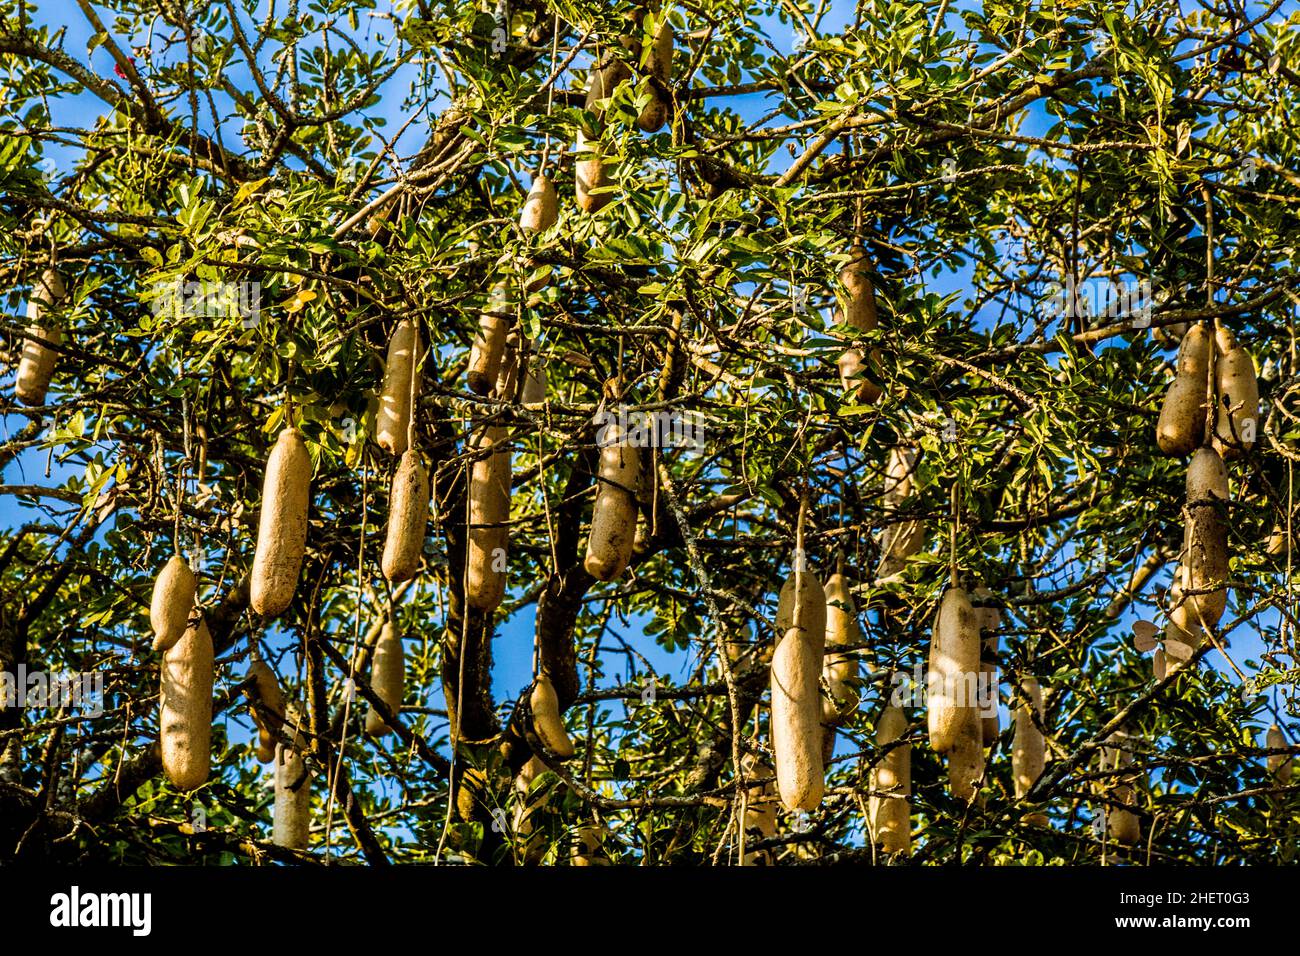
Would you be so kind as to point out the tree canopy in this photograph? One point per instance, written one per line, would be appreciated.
(242, 201)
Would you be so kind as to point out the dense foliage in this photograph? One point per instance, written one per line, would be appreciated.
(994, 159)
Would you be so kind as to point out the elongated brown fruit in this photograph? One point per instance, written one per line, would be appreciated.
(954, 669)
(1181, 628)
(489, 510)
(1205, 540)
(900, 540)
(541, 208)
(889, 813)
(592, 174)
(408, 518)
(1123, 825)
(173, 599)
(660, 66)
(613, 516)
(966, 758)
(393, 420)
(1279, 541)
(507, 387)
(796, 694)
(1237, 389)
(387, 676)
(36, 366)
(602, 79)
(534, 391)
(267, 708)
(490, 342)
(840, 671)
(1028, 748)
(185, 708)
(900, 475)
(1279, 765)
(989, 620)
(291, 824)
(282, 525)
(760, 813)
(547, 722)
(858, 302)
(1181, 427)
(857, 311)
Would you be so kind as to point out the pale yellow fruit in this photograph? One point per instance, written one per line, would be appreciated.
(1123, 826)
(1205, 541)
(282, 525)
(858, 301)
(401, 378)
(889, 808)
(387, 677)
(900, 476)
(291, 821)
(760, 812)
(592, 171)
(173, 600)
(796, 694)
(857, 311)
(840, 671)
(954, 662)
(408, 518)
(267, 708)
(185, 708)
(989, 620)
(1028, 747)
(1279, 541)
(534, 391)
(489, 511)
(966, 759)
(900, 540)
(547, 722)
(613, 516)
(853, 376)
(490, 342)
(592, 174)
(1237, 388)
(1181, 628)
(1181, 427)
(541, 207)
(1279, 765)
(660, 66)
(37, 362)
(507, 386)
